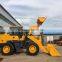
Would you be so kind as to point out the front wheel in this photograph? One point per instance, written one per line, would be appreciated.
(32, 49)
(7, 49)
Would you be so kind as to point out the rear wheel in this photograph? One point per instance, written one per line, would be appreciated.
(32, 49)
(7, 49)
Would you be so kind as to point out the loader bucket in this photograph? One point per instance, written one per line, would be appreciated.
(52, 50)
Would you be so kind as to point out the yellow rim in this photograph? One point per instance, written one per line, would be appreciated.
(32, 49)
(6, 49)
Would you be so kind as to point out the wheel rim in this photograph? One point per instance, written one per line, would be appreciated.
(6, 49)
(32, 49)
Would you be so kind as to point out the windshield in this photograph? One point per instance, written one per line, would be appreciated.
(14, 30)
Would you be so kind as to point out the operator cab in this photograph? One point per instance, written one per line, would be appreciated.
(15, 31)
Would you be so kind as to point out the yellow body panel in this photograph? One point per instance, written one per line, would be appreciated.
(6, 37)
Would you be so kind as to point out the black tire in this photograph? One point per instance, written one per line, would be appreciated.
(28, 51)
(11, 49)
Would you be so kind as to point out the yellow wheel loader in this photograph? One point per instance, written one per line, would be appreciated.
(16, 40)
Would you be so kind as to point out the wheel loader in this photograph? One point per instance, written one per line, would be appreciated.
(16, 40)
